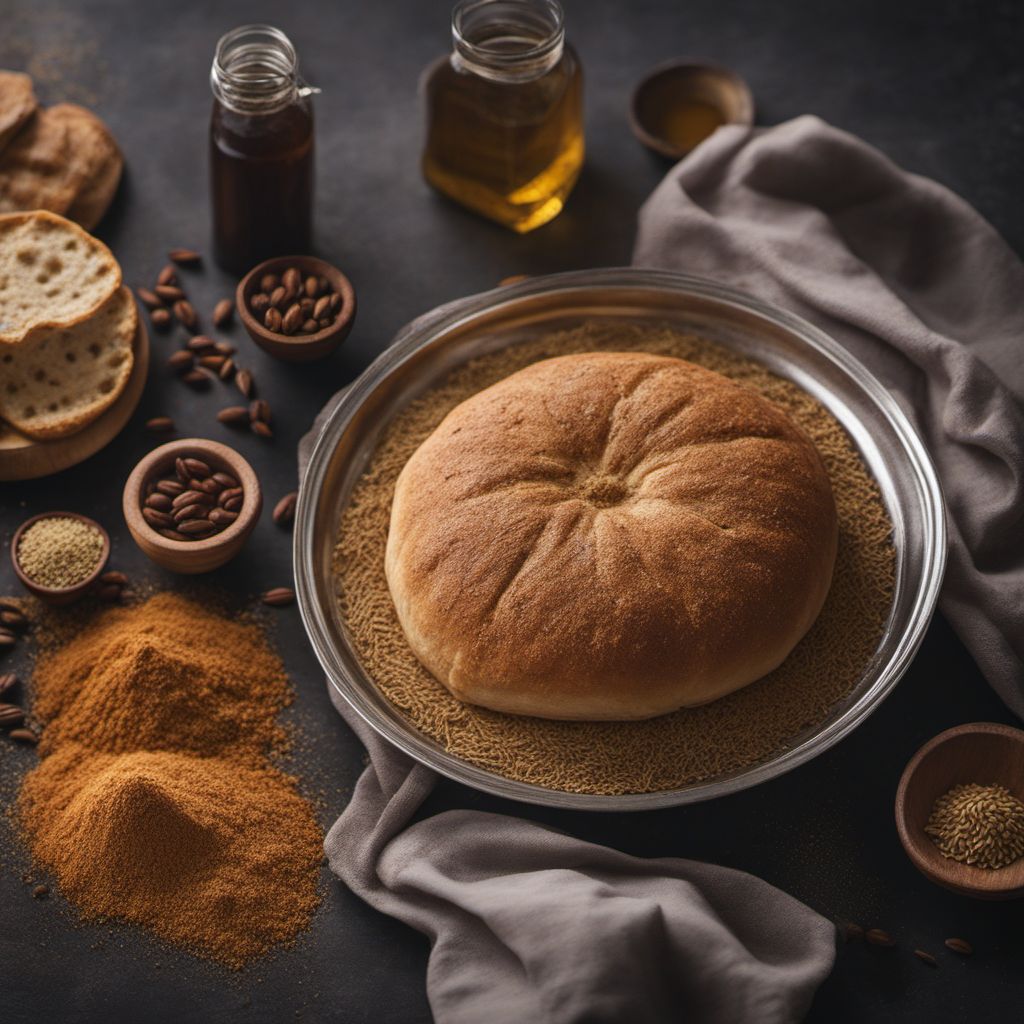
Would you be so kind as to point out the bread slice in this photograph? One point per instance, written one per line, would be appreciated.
(36, 169)
(52, 274)
(96, 161)
(17, 104)
(58, 380)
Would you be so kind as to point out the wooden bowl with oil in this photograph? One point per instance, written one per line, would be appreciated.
(679, 104)
(982, 752)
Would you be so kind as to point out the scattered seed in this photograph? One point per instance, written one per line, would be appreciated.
(284, 510)
(181, 360)
(161, 319)
(852, 932)
(169, 293)
(160, 425)
(8, 680)
(24, 736)
(185, 312)
(961, 946)
(7, 639)
(184, 257)
(926, 958)
(227, 368)
(10, 715)
(234, 415)
(167, 276)
(200, 343)
(223, 312)
(40, 891)
(259, 409)
(244, 382)
(108, 592)
(278, 597)
(116, 577)
(261, 428)
(225, 348)
(13, 618)
(877, 937)
(149, 298)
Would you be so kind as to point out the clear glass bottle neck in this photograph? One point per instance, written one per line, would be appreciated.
(256, 70)
(507, 40)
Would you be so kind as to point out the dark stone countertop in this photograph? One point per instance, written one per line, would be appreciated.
(938, 86)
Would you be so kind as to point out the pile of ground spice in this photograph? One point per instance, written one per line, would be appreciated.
(687, 746)
(156, 801)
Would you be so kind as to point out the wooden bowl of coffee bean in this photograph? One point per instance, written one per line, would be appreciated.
(296, 308)
(191, 504)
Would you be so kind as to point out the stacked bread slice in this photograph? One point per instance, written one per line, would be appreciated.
(61, 158)
(67, 326)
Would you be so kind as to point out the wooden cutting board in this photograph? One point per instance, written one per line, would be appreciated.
(22, 458)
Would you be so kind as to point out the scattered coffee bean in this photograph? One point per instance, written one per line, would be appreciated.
(167, 276)
(225, 348)
(161, 319)
(926, 958)
(212, 362)
(40, 892)
(186, 314)
(169, 293)
(197, 378)
(259, 409)
(149, 298)
(222, 313)
(284, 510)
(185, 257)
(201, 343)
(160, 425)
(244, 382)
(13, 618)
(234, 415)
(7, 639)
(877, 937)
(278, 597)
(261, 428)
(961, 946)
(108, 592)
(182, 360)
(852, 931)
(24, 736)
(114, 577)
(8, 680)
(227, 368)
(10, 716)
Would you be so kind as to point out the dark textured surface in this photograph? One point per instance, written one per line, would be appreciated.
(938, 85)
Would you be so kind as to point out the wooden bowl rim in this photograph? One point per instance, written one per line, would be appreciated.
(312, 263)
(39, 588)
(147, 467)
(688, 66)
(939, 869)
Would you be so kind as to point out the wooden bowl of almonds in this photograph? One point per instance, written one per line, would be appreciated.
(297, 308)
(191, 504)
(960, 810)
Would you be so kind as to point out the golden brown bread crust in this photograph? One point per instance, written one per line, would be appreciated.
(609, 536)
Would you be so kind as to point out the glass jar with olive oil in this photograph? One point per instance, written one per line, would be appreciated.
(505, 112)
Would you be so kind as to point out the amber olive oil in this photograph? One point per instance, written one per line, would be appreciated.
(505, 113)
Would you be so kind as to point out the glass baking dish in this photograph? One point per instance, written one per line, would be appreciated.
(427, 349)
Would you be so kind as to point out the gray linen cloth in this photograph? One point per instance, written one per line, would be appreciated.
(919, 288)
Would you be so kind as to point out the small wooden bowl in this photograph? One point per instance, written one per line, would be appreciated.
(665, 93)
(298, 348)
(191, 556)
(982, 752)
(59, 595)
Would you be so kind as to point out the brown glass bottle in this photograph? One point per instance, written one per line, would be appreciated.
(261, 149)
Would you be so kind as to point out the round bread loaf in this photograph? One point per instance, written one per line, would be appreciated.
(609, 536)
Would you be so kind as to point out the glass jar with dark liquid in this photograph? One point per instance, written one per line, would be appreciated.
(505, 112)
(261, 149)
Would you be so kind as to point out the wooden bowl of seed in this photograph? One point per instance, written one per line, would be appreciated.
(297, 308)
(58, 556)
(191, 504)
(960, 810)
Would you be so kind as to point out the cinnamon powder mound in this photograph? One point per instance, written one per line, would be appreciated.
(156, 801)
(688, 746)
